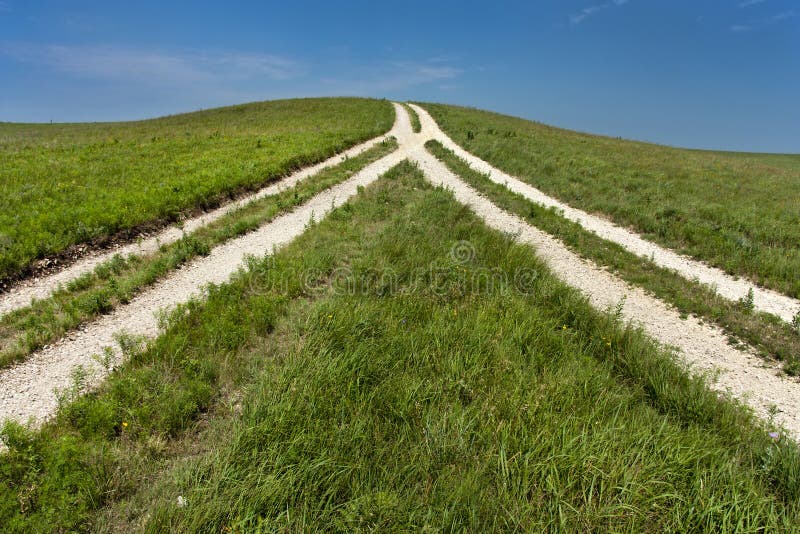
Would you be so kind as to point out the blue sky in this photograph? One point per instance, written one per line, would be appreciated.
(719, 74)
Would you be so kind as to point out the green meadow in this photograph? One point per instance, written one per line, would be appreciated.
(739, 212)
(67, 184)
(402, 387)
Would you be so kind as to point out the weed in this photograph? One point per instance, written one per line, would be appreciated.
(106, 359)
(747, 302)
(416, 126)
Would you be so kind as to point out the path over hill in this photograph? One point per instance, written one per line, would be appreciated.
(27, 389)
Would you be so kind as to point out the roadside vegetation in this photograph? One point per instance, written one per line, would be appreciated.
(67, 184)
(120, 279)
(416, 126)
(370, 379)
(769, 335)
(739, 212)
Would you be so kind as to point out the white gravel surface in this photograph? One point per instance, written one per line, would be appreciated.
(27, 390)
(21, 294)
(726, 285)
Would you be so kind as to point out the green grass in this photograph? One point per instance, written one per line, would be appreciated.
(399, 389)
(119, 280)
(416, 126)
(739, 212)
(67, 184)
(771, 336)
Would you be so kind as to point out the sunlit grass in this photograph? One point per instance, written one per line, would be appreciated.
(67, 184)
(740, 212)
(771, 336)
(117, 281)
(363, 379)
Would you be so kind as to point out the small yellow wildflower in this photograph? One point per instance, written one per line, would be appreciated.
(124, 424)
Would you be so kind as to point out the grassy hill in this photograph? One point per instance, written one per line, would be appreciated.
(65, 184)
(428, 399)
(370, 377)
(740, 212)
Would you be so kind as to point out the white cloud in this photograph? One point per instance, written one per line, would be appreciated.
(763, 22)
(587, 12)
(153, 67)
(748, 3)
(782, 16)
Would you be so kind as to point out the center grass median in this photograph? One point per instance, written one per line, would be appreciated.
(67, 184)
(399, 367)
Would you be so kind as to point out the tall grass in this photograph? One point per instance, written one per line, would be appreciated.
(416, 126)
(739, 212)
(117, 281)
(68, 184)
(771, 336)
(367, 378)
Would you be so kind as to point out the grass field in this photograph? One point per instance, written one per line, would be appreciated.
(66, 184)
(119, 280)
(740, 212)
(772, 337)
(401, 387)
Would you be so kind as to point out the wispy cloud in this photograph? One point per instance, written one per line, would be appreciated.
(153, 67)
(748, 3)
(587, 12)
(394, 75)
(763, 22)
(5, 7)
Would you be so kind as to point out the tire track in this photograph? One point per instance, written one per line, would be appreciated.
(727, 286)
(28, 390)
(704, 348)
(21, 294)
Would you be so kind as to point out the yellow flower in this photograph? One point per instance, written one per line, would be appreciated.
(124, 424)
